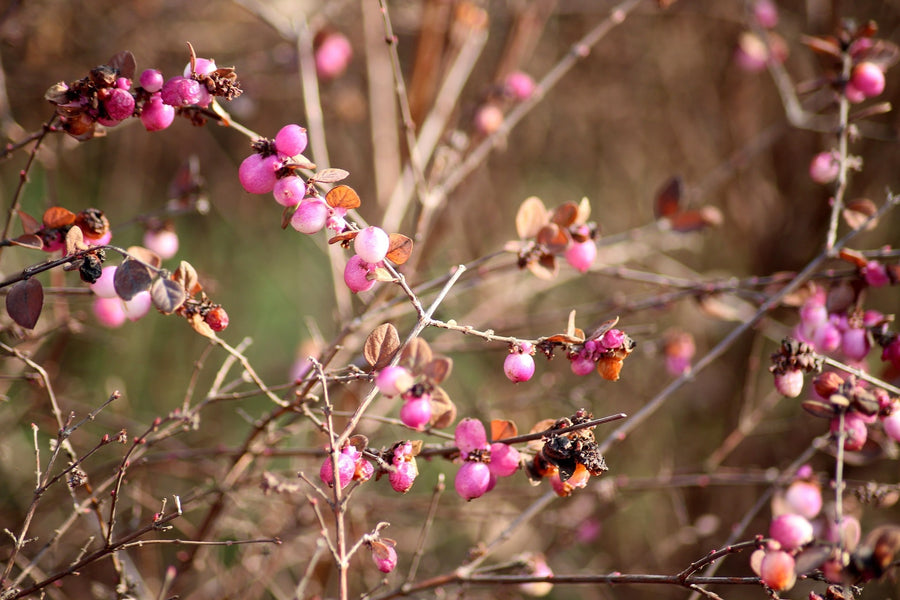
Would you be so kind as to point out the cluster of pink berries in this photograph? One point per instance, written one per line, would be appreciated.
(351, 467)
(106, 96)
(753, 52)
(396, 380)
(846, 334)
(371, 246)
(403, 459)
(604, 353)
(111, 310)
(483, 462)
(516, 87)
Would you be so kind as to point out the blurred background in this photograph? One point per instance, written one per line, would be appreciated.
(661, 95)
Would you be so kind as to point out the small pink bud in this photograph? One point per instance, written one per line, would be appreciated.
(789, 383)
(824, 167)
(519, 85)
(384, 555)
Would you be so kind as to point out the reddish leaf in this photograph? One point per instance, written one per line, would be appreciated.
(57, 216)
(823, 45)
(358, 441)
(381, 345)
(342, 196)
(502, 429)
(544, 268)
(854, 257)
(167, 295)
(131, 278)
(565, 214)
(330, 175)
(858, 212)
(400, 248)
(443, 411)
(668, 198)
(145, 255)
(554, 237)
(343, 237)
(28, 240)
(438, 369)
(124, 62)
(532, 215)
(29, 224)
(25, 301)
(604, 327)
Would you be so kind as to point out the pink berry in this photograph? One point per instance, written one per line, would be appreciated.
(103, 287)
(356, 275)
(364, 470)
(217, 319)
(406, 471)
(310, 216)
(824, 167)
(766, 13)
(152, 80)
(868, 78)
(257, 173)
(518, 367)
(847, 534)
(891, 424)
(472, 480)
(504, 460)
(582, 365)
(202, 66)
(394, 380)
(156, 115)
(384, 555)
(581, 255)
(855, 343)
(519, 85)
(138, 306)
(346, 468)
(854, 94)
(109, 311)
(804, 498)
(372, 244)
(855, 431)
(891, 353)
(180, 91)
(416, 412)
(291, 140)
(119, 104)
(789, 383)
(791, 531)
(336, 221)
(613, 339)
(751, 53)
(827, 338)
(164, 242)
(333, 56)
(537, 568)
(470, 436)
(289, 191)
(777, 570)
(488, 119)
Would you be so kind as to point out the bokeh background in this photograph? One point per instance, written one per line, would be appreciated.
(660, 95)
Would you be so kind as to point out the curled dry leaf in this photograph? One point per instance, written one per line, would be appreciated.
(443, 411)
(540, 427)
(200, 326)
(554, 237)
(544, 268)
(330, 175)
(29, 223)
(584, 211)
(858, 212)
(166, 295)
(438, 369)
(57, 216)
(186, 276)
(343, 237)
(342, 196)
(124, 63)
(75, 240)
(565, 215)
(380, 274)
(400, 248)
(358, 441)
(502, 429)
(145, 256)
(131, 278)
(381, 346)
(854, 257)
(25, 301)
(532, 215)
(28, 240)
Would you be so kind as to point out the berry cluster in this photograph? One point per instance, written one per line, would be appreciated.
(605, 351)
(483, 463)
(516, 87)
(351, 467)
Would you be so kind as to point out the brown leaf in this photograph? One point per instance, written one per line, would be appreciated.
(882, 52)
(694, 220)
(286, 215)
(381, 274)
(200, 326)
(854, 257)
(124, 63)
(416, 447)
(416, 355)
(145, 255)
(358, 441)
(668, 198)
(186, 276)
(823, 45)
(438, 369)
(532, 215)
(167, 295)
(502, 429)
(25, 301)
(330, 175)
(342, 196)
(857, 212)
(28, 240)
(342, 237)
(57, 216)
(565, 214)
(540, 426)
(584, 211)
(544, 268)
(29, 224)
(400, 248)
(381, 345)
(75, 240)
(603, 328)
(443, 411)
(818, 409)
(554, 237)
(131, 278)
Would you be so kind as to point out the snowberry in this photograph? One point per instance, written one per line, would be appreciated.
(804, 498)
(291, 140)
(109, 311)
(310, 216)
(405, 469)
(119, 104)
(393, 380)
(104, 287)
(289, 191)
(257, 173)
(824, 167)
(868, 78)
(855, 343)
(504, 460)
(356, 275)
(363, 470)
(891, 424)
(469, 436)
(372, 244)
(488, 119)
(518, 366)
(138, 306)
(519, 85)
(416, 412)
(151, 80)
(613, 339)
(384, 555)
(789, 383)
(827, 338)
(202, 66)
(156, 115)
(891, 353)
(855, 431)
(791, 531)
(854, 95)
(538, 568)
(164, 242)
(333, 56)
(777, 570)
(766, 13)
(217, 319)
(581, 255)
(346, 468)
(180, 91)
(472, 480)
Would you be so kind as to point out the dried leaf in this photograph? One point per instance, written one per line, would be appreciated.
(854, 257)
(562, 338)
(539, 427)
(502, 429)
(287, 214)
(25, 301)
(380, 274)
(57, 216)
(438, 369)
(570, 323)
(29, 224)
(342, 196)
(358, 441)
(823, 45)
(726, 308)
(443, 411)
(145, 256)
(858, 212)
(400, 248)
(343, 237)
(186, 276)
(381, 345)
(584, 211)
(131, 278)
(532, 215)
(416, 447)
(167, 295)
(554, 237)
(668, 198)
(330, 175)
(200, 326)
(124, 63)
(75, 240)
(28, 240)
(603, 328)
(694, 220)
(565, 214)
(416, 355)
(818, 409)
(882, 52)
